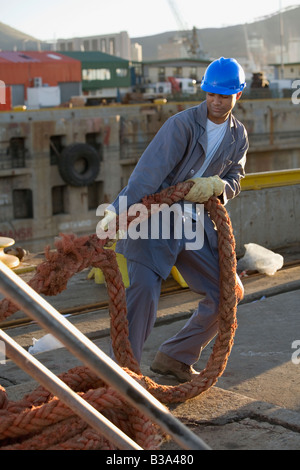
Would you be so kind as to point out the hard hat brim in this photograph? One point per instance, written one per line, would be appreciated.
(218, 90)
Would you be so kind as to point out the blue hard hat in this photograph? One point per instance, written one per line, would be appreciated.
(224, 77)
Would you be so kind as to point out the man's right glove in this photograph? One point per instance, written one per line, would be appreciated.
(204, 188)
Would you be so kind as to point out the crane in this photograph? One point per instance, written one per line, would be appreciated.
(192, 43)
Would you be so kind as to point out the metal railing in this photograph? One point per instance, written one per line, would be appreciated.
(37, 308)
(270, 179)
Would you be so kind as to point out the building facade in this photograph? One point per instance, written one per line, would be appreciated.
(160, 70)
(103, 75)
(116, 44)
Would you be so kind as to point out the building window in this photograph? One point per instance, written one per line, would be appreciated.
(95, 195)
(62, 46)
(103, 45)
(94, 44)
(22, 204)
(56, 147)
(16, 152)
(96, 74)
(59, 194)
(70, 46)
(86, 45)
(161, 74)
(121, 73)
(177, 72)
(112, 47)
(193, 73)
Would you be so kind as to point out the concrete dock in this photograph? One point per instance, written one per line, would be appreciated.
(255, 405)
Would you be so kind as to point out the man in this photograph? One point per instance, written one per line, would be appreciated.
(205, 143)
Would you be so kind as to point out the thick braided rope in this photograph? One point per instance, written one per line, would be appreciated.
(54, 424)
(72, 255)
(227, 323)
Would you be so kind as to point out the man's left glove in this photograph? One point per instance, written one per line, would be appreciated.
(204, 188)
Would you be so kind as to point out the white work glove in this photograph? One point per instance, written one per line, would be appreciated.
(204, 188)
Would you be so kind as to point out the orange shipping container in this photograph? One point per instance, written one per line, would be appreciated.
(21, 68)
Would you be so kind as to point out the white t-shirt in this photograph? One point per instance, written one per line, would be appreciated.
(215, 135)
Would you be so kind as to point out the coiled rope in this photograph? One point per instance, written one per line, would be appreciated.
(42, 421)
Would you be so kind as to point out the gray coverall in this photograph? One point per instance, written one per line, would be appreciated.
(174, 155)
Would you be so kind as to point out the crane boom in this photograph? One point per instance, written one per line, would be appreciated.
(191, 43)
(178, 17)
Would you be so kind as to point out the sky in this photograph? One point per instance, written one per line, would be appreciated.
(54, 19)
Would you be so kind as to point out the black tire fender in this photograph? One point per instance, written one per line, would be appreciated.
(79, 164)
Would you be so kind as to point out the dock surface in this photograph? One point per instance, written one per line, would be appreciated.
(255, 404)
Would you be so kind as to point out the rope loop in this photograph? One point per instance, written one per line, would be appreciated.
(41, 421)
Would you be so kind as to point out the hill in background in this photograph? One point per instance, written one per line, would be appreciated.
(229, 41)
(11, 39)
(234, 40)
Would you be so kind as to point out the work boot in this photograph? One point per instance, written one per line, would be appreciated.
(165, 365)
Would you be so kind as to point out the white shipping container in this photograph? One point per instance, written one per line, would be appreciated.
(43, 97)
